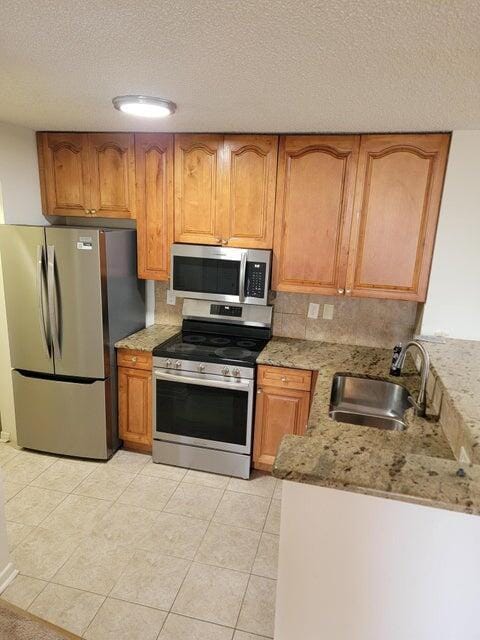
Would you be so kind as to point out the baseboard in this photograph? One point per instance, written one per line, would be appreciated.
(7, 575)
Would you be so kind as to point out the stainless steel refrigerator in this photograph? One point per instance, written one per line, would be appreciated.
(70, 294)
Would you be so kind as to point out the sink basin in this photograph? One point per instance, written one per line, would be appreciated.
(369, 403)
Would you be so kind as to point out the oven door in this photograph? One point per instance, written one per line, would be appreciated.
(223, 274)
(213, 412)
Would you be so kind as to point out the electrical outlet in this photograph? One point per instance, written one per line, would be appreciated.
(328, 311)
(171, 298)
(313, 309)
(464, 457)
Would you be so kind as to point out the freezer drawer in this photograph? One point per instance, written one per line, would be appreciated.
(68, 418)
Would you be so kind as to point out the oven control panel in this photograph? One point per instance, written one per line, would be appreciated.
(226, 310)
(255, 279)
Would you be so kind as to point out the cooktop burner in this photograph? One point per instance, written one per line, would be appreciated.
(194, 338)
(212, 347)
(233, 352)
(220, 340)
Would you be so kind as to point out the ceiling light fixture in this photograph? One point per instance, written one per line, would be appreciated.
(144, 106)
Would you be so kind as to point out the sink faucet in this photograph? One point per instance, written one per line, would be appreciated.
(420, 404)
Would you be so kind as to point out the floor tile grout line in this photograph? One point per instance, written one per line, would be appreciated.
(198, 547)
(184, 615)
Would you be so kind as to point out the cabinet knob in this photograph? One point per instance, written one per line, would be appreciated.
(224, 241)
(259, 391)
(134, 358)
(93, 212)
(218, 240)
(284, 379)
(348, 291)
(340, 291)
(87, 212)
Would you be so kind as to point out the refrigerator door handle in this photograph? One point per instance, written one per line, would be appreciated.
(40, 302)
(53, 299)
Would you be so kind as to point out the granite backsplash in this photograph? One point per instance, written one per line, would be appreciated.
(358, 321)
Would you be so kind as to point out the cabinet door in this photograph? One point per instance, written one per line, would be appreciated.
(135, 406)
(397, 200)
(112, 174)
(278, 412)
(64, 175)
(198, 183)
(154, 171)
(315, 189)
(250, 168)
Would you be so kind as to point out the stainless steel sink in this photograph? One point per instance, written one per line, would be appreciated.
(369, 403)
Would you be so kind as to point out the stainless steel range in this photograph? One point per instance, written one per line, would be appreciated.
(204, 382)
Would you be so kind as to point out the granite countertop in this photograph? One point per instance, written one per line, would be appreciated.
(455, 365)
(415, 465)
(147, 339)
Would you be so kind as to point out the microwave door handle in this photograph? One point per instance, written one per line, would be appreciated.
(40, 301)
(53, 299)
(203, 382)
(242, 277)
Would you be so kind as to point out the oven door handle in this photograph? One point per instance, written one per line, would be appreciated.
(242, 276)
(203, 382)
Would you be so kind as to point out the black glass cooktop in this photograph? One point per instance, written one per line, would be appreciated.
(202, 346)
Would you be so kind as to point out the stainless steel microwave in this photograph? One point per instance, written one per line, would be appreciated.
(226, 274)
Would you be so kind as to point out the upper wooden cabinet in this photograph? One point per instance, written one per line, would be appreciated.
(198, 184)
(316, 181)
(250, 167)
(87, 174)
(225, 189)
(64, 173)
(154, 170)
(112, 174)
(397, 199)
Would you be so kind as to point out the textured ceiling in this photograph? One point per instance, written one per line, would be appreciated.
(248, 65)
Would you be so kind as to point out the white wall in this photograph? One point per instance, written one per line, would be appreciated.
(453, 302)
(19, 204)
(357, 567)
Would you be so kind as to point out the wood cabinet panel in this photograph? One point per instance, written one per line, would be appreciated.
(112, 174)
(154, 172)
(315, 187)
(64, 173)
(397, 201)
(250, 167)
(278, 412)
(135, 407)
(198, 184)
(134, 359)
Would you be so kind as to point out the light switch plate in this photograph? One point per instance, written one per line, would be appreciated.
(328, 311)
(171, 298)
(313, 309)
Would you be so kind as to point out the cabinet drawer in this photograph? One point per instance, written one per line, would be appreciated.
(134, 359)
(285, 378)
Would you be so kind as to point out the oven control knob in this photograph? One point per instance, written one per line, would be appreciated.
(236, 372)
(178, 364)
(201, 368)
(225, 371)
(168, 363)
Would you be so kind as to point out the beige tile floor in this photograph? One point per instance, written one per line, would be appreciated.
(131, 550)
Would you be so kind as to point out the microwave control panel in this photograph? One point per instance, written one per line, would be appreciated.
(255, 279)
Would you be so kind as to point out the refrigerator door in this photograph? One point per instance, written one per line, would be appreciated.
(76, 289)
(24, 275)
(62, 416)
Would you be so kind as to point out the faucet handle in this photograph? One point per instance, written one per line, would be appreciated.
(395, 367)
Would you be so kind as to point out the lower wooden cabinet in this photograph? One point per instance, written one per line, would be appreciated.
(283, 404)
(135, 399)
